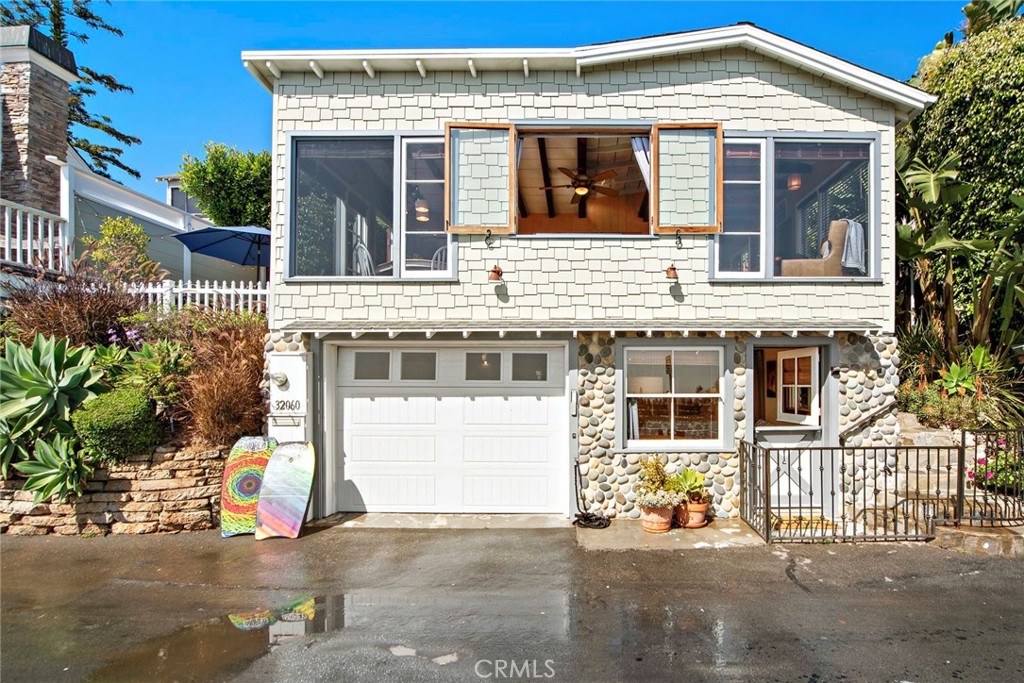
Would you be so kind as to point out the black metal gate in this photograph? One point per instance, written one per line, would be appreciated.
(815, 494)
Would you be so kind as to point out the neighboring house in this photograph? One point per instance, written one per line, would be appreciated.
(49, 197)
(176, 195)
(491, 266)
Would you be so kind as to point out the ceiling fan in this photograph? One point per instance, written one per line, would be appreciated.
(582, 184)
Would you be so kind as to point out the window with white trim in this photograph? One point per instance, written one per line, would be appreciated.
(345, 195)
(674, 396)
(740, 244)
(798, 400)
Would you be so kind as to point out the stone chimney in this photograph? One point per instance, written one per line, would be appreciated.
(35, 73)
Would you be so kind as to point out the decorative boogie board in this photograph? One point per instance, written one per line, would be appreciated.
(287, 484)
(243, 475)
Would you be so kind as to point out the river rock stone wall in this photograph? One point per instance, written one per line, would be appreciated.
(169, 491)
(607, 473)
(868, 379)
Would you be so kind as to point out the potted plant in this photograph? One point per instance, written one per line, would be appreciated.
(692, 508)
(656, 503)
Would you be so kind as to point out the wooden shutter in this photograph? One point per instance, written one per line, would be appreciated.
(480, 178)
(686, 186)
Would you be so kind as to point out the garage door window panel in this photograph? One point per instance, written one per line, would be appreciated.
(483, 366)
(372, 366)
(419, 366)
(529, 367)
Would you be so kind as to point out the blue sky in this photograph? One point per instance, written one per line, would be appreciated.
(183, 60)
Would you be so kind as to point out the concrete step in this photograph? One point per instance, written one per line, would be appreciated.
(1003, 542)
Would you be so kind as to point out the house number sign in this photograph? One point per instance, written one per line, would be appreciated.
(289, 381)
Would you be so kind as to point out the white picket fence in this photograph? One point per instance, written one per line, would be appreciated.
(219, 296)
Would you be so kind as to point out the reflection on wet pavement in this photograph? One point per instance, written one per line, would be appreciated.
(213, 648)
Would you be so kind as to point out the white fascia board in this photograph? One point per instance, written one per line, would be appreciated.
(569, 59)
(120, 198)
(766, 43)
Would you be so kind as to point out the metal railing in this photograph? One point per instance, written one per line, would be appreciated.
(30, 238)
(991, 479)
(849, 493)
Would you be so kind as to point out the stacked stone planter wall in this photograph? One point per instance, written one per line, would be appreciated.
(170, 491)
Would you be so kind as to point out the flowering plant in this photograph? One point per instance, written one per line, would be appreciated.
(1002, 469)
(658, 499)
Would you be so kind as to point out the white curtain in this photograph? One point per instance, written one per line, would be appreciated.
(642, 151)
(633, 420)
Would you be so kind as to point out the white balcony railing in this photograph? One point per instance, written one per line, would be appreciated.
(31, 238)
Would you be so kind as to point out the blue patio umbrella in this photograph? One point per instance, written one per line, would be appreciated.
(245, 245)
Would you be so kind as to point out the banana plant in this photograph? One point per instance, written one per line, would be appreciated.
(56, 471)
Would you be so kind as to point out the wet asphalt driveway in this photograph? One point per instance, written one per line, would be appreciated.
(471, 605)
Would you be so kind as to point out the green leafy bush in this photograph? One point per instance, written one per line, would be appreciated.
(1000, 469)
(159, 370)
(117, 425)
(41, 386)
(56, 469)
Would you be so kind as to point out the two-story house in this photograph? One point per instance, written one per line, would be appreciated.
(500, 274)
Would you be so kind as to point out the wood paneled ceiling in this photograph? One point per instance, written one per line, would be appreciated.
(603, 153)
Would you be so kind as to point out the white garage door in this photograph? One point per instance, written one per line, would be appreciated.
(453, 429)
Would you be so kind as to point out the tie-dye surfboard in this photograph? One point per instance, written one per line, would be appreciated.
(243, 477)
(284, 497)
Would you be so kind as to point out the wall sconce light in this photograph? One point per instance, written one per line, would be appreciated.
(279, 378)
(794, 182)
(495, 274)
(671, 273)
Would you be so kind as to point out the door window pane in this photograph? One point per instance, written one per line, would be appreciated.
(483, 366)
(343, 206)
(372, 365)
(529, 367)
(419, 365)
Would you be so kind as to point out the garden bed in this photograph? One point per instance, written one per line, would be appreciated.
(169, 491)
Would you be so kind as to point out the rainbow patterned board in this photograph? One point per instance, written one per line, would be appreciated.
(286, 487)
(243, 477)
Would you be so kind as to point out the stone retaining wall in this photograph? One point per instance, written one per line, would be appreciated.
(169, 491)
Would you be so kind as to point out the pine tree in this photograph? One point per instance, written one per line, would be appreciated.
(64, 20)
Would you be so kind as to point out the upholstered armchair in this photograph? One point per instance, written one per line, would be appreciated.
(831, 262)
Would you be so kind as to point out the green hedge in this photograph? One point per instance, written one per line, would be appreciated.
(116, 425)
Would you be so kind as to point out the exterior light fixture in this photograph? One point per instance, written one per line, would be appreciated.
(494, 274)
(794, 182)
(671, 273)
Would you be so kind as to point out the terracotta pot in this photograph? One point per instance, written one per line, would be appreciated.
(656, 520)
(681, 515)
(696, 515)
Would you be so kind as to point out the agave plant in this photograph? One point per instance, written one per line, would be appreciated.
(40, 388)
(56, 471)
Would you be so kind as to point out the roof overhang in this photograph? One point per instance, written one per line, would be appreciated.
(353, 329)
(269, 65)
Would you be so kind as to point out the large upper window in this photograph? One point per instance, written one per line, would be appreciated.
(674, 395)
(808, 207)
(344, 195)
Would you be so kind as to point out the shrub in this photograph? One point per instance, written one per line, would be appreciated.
(77, 308)
(1000, 469)
(121, 253)
(222, 394)
(936, 408)
(56, 469)
(41, 386)
(159, 370)
(117, 425)
(652, 477)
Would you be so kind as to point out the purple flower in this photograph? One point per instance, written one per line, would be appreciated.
(970, 475)
(982, 461)
(989, 475)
